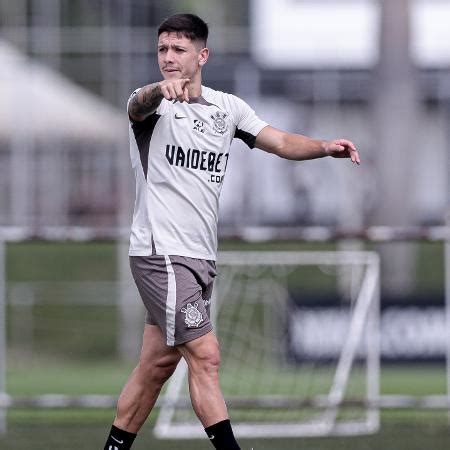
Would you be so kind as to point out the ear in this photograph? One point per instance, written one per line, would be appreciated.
(203, 56)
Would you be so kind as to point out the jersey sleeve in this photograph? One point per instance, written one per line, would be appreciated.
(135, 92)
(248, 124)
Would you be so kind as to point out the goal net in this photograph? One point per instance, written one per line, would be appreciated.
(299, 338)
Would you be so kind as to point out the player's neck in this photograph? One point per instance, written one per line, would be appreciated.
(195, 86)
(195, 90)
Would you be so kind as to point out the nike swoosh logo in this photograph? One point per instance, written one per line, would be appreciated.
(177, 116)
(117, 440)
(211, 437)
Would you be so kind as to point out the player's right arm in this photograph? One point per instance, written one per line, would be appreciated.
(146, 101)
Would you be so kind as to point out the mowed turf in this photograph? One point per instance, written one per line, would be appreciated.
(76, 436)
(86, 429)
(85, 373)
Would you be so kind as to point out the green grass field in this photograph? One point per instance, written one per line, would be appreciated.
(80, 358)
(82, 436)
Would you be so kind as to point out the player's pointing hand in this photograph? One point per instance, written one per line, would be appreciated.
(175, 89)
(342, 148)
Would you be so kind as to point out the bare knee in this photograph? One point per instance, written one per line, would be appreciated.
(205, 360)
(156, 372)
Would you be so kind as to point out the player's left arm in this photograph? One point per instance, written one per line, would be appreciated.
(298, 147)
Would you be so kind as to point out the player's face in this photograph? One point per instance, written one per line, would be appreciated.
(179, 57)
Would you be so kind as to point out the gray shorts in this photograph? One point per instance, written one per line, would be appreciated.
(176, 291)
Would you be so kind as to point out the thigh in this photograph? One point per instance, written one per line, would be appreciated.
(201, 350)
(155, 349)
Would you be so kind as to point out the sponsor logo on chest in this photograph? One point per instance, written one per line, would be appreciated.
(217, 123)
(206, 161)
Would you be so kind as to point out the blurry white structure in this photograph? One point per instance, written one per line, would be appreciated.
(323, 34)
(430, 33)
(54, 136)
(315, 34)
(48, 103)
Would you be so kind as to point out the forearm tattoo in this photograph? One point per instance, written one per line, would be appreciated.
(145, 101)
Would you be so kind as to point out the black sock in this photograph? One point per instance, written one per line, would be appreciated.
(222, 437)
(119, 439)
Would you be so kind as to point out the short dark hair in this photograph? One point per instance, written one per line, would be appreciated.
(188, 25)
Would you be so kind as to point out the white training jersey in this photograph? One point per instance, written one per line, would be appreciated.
(179, 155)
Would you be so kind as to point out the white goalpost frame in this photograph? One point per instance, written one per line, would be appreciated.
(2, 336)
(447, 317)
(367, 301)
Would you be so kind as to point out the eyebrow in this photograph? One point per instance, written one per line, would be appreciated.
(172, 45)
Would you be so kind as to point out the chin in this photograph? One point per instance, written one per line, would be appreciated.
(172, 75)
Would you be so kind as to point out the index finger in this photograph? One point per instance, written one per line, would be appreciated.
(347, 143)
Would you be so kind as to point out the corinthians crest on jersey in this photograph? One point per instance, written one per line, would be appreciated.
(220, 125)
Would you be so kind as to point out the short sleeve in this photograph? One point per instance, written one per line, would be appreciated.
(248, 124)
(135, 92)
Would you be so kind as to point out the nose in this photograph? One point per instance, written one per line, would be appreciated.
(169, 56)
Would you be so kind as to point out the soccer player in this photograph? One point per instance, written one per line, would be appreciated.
(180, 136)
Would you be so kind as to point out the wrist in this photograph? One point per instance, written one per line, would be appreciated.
(324, 145)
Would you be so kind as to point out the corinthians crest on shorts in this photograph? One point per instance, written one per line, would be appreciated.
(219, 123)
(193, 316)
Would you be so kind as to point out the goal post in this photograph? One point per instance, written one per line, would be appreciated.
(2, 335)
(269, 389)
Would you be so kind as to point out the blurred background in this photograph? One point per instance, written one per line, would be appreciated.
(374, 71)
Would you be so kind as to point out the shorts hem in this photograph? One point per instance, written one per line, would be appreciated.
(191, 337)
